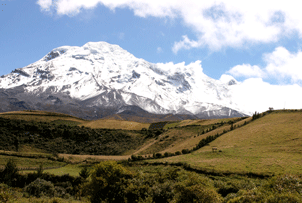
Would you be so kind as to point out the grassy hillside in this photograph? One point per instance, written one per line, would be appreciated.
(41, 116)
(186, 134)
(44, 130)
(51, 137)
(116, 124)
(64, 119)
(272, 143)
(254, 147)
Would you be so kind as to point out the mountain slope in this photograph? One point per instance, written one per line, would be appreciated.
(269, 144)
(100, 79)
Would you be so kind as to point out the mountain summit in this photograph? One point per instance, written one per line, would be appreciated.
(100, 79)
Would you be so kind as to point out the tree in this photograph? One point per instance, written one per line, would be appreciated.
(185, 151)
(10, 172)
(107, 183)
(232, 127)
(40, 170)
(40, 187)
(84, 173)
(16, 143)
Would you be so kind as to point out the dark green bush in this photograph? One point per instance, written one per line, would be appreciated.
(197, 193)
(108, 180)
(158, 155)
(166, 154)
(185, 151)
(84, 173)
(284, 198)
(285, 183)
(10, 173)
(40, 187)
(6, 194)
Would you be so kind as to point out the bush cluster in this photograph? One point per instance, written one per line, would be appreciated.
(38, 183)
(111, 182)
(60, 138)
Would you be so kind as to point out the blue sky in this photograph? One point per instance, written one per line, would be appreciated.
(236, 38)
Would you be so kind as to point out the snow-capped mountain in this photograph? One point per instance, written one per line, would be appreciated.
(100, 76)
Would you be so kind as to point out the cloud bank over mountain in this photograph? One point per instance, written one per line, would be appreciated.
(217, 24)
(281, 65)
(223, 25)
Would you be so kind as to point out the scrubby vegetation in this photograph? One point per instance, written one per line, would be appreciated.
(199, 175)
(69, 139)
(112, 182)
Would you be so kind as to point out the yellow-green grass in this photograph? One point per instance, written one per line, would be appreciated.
(26, 150)
(17, 195)
(23, 162)
(73, 158)
(116, 124)
(177, 139)
(40, 116)
(171, 124)
(58, 118)
(20, 199)
(271, 144)
(71, 169)
(206, 122)
(201, 122)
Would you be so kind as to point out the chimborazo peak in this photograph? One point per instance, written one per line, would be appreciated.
(100, 79)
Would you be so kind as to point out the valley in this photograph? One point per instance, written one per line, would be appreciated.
(253, 149)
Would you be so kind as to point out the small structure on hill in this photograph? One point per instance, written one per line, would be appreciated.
(214, 149)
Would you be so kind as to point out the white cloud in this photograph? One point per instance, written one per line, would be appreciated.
(45, 4)
(246, 70)
(256, 95)
(217, 23)
(224, 78)
(253, 94)
(159, 50)
(280, 64)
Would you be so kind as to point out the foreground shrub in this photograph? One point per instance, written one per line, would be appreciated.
(10, 173)
(191, 187)
(284, 189)
(197, 193)
(84, 173)
(6, 194)
(185, 151)
(226, 187)
(138, 189)
(243, 196)
(285, 183)
(284, 198)
(40, 187)
(108, 180)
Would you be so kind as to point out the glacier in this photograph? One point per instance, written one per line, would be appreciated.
(102, 75)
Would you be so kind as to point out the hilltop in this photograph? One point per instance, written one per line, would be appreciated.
(270, 144)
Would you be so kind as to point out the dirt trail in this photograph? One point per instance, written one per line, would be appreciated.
(80, 158)
(145, 147)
